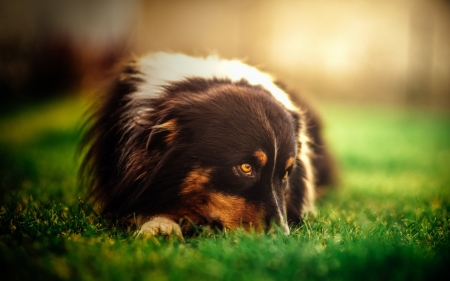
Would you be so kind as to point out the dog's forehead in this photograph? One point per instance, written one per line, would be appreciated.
(237, 122)
(237, 106)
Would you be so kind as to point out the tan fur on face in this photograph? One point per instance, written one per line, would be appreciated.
(200, 203)
(234, 211)
(170, 126)
(290, 162)
(262, 157)
(195, 181)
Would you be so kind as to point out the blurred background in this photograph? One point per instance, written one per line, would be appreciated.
(387, 52)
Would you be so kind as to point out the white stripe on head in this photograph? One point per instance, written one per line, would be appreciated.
(160, 69)
(280, 211)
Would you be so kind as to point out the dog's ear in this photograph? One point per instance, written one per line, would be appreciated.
(163, 134)
(155, 128)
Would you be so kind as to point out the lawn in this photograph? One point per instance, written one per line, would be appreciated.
(387, 220)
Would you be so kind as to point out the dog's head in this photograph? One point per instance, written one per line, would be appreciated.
(228, 148)
(213, 152)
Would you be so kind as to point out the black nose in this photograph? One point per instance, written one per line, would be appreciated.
(272, 222)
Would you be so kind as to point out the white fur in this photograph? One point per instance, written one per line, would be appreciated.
(160, 69)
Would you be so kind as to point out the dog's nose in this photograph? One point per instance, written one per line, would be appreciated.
(282, 225)
(276, 211)
(286, 229)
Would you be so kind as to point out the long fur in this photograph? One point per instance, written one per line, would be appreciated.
(170, 132)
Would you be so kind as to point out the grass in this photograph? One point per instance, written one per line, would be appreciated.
(389, 220)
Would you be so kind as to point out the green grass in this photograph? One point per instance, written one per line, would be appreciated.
(389, 219)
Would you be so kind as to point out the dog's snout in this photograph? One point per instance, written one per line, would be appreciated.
(285, 228)
(272, 224)
(276, 215)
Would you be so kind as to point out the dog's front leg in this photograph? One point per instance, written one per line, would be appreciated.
(159, 225)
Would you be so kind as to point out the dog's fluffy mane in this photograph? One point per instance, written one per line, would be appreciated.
(135, 114)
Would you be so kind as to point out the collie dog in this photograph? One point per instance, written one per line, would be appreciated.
(179, 141)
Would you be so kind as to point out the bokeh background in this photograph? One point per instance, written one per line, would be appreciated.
(388, 52)
(378, 71)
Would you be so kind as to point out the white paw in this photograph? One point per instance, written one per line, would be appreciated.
(160, 225)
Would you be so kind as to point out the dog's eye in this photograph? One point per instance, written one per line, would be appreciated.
(246, 168)
(286, 175)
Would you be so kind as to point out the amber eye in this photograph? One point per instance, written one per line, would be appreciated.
(286, 175)
(246, 168)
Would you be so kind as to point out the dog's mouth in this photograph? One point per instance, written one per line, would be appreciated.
(191, 228)
(217, 224)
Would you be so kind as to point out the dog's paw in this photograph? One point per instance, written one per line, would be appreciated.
(160, 225)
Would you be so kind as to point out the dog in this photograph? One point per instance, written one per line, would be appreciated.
(179, 141)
